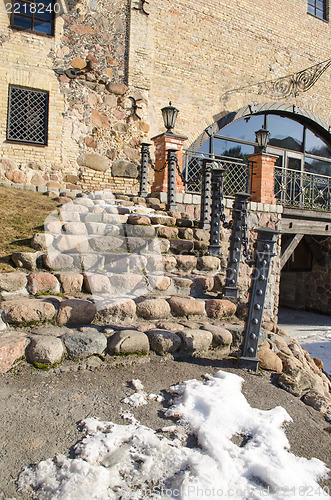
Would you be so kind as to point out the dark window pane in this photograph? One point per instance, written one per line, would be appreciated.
(317, 166)
(22, 8)
(47, 3)
(22, 22)
(317, 8)
(205, 147)
(43, 27)
(243, 129)
(316, 146)
(43, 12)
(232, 149)
(285, 133)
(38, 17)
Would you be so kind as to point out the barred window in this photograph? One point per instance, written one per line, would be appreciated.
(317, 8)
(38, 17)
(27, 115)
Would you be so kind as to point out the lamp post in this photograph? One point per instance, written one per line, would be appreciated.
(262, 137)
(169, 114)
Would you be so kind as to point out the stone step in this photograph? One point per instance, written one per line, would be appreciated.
(154, 260)
(68, 310)
(141, 280)
(62, 348)
(71, 334)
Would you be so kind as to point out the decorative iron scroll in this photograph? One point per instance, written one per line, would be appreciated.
(286, 86)
(135, 107)
(141, 6)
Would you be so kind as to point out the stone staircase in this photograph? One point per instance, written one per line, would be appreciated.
(115, 274)
(114, 251)
(121, 275)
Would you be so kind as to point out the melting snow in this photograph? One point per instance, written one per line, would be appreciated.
(132, 461)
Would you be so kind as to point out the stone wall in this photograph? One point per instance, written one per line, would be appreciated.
(130, 64)
(317, 290)
(92, 109)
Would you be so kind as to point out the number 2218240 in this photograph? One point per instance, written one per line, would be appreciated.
(32, 8)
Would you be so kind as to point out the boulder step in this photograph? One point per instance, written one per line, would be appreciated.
(111, 283)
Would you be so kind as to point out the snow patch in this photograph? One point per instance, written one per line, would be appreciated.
(133, 461)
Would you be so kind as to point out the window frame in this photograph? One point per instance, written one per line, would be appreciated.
(45, 117)
(313, 4)
(32, 17)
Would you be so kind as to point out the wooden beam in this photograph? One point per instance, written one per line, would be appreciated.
(290, 246)
(305, 226)
(307, 214)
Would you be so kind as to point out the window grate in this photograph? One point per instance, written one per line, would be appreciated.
(27, 115)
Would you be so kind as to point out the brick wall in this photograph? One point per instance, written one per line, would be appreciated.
(192, 52)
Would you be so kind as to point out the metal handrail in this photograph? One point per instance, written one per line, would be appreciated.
(302, 189)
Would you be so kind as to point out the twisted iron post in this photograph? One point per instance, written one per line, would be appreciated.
(172, 165)
(144, 169)
(217, 211)
(267, 238)
(207, 166)
(238, 227)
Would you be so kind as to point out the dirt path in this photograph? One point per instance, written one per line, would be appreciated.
(40, 411)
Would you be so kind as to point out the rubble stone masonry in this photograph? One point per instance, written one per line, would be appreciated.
(133, 57)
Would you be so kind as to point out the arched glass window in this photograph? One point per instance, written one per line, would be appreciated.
(290, 139)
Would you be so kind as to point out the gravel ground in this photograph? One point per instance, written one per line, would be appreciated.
(40, 411)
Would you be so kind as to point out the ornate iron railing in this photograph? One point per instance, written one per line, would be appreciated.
(236, 175)
(298, 189)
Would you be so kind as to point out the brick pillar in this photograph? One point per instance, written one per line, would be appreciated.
(263, 178)
(163, 143)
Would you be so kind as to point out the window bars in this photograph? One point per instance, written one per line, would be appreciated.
(27, 115)
(298, 189)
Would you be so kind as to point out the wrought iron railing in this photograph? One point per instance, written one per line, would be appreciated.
(298, 189)
(236, 175)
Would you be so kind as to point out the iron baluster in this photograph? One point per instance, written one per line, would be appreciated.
(206, 193)
(145, 158)
(172, 165)
(239, 228)
(217, 211)
(264, 252)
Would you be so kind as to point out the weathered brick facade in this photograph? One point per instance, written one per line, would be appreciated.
(193, 52)
(88, 113)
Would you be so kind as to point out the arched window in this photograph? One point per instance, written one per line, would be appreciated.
(297, 144)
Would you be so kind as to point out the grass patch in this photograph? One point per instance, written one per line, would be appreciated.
(22, 214)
